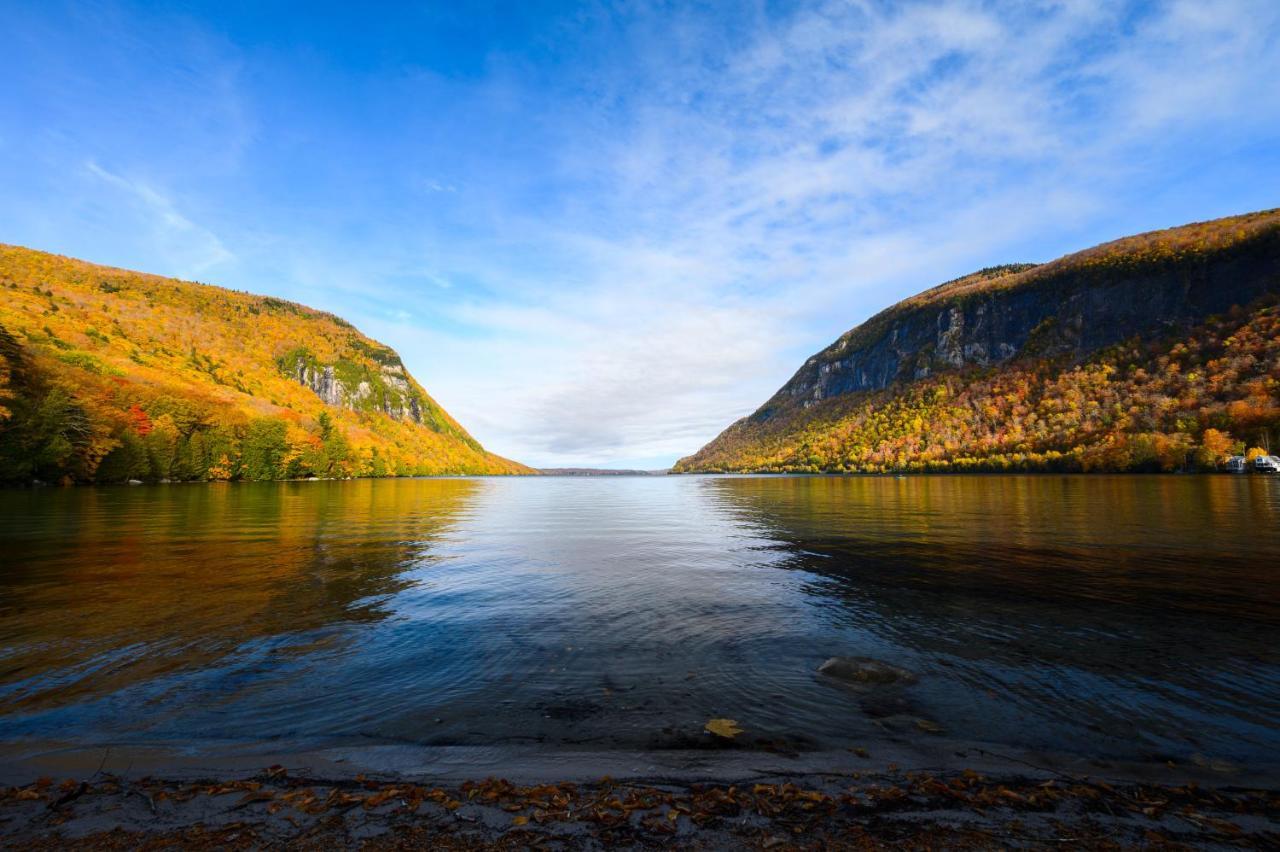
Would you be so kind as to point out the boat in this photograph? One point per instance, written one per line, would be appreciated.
(1237, 464)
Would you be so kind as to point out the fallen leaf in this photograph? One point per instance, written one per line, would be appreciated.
(726, 728)
(251, 797)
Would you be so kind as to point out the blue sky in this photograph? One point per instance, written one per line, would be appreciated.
(600, 233)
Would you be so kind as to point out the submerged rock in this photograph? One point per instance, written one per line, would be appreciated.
(864, 671)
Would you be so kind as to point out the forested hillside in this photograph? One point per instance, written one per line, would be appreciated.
(1155, 352)
(108, 375)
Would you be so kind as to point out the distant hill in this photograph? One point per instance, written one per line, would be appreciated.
(1155, 352)
(108, 375)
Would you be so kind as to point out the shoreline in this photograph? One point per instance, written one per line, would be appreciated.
(23, 763)
(902, 474)
(398, 796)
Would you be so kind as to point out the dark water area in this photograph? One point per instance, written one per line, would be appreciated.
(1116, 617)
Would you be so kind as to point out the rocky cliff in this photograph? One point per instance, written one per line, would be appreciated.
(1149, 286)
(387, 389)
(1146, 284)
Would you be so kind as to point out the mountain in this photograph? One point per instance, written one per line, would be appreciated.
(1155, 352)
(108, 375)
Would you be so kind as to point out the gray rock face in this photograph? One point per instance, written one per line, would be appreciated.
(1054, 309)
(333, 391)
(322, 382)
(866, 672)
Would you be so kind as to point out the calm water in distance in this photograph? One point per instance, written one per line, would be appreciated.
(1133, 617)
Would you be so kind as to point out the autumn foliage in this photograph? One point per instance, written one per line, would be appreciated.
(1178, 404)
(108, 375)
(1183, 397)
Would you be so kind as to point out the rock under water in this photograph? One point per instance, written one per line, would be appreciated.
(865, 671)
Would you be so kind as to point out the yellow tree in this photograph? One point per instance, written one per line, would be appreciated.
(1214, 447)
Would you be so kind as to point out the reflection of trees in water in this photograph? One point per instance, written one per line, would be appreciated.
(1038, 585)
(1191, 544)
(108, 588)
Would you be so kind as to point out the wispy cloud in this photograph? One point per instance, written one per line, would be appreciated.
(192, 249)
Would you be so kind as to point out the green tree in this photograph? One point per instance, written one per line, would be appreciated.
(264, 449)
(162, 446)
(127, 461)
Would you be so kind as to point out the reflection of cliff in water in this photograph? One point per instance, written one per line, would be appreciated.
(1154, 542)
(126, 585)
(1033, 587)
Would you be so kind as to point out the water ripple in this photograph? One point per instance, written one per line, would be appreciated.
(1122, 616)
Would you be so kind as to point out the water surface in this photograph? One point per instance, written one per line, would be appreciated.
(1123, 617)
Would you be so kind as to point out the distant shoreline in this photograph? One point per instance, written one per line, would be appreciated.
(600, 471)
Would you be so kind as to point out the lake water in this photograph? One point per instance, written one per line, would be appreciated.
(1125, 617)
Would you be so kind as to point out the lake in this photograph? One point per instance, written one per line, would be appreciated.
(1119, 617)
